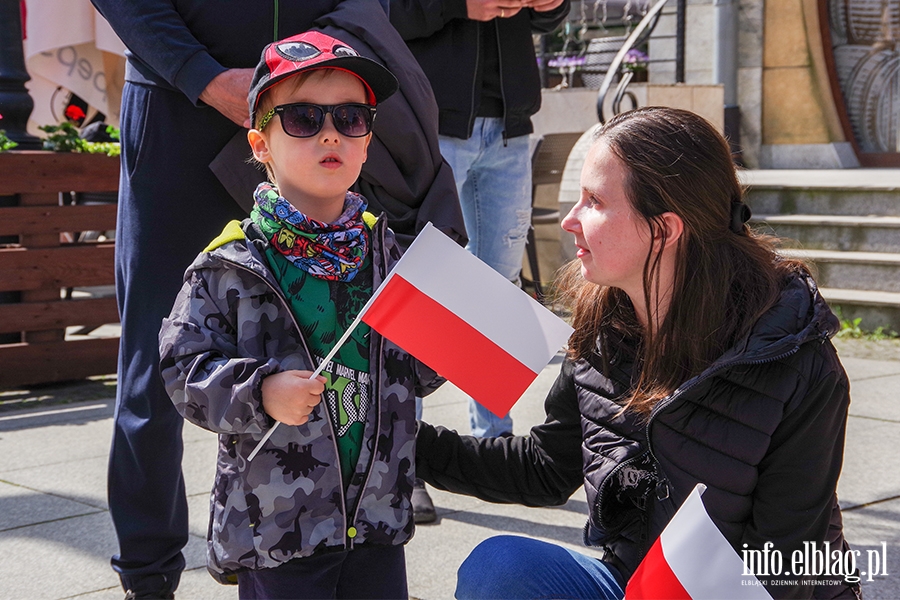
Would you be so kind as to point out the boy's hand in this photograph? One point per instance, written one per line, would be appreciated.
(290, 396)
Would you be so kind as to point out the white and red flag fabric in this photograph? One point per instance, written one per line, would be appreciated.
(466, 321)
(692, 560)
(463, 319)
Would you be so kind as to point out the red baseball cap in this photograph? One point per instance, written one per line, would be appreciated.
(315, 50)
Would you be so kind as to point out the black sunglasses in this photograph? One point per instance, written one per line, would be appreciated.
(303, 120)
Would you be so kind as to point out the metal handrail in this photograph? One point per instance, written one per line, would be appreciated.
(640, 33)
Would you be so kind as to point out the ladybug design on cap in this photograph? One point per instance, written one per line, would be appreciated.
(315, 50)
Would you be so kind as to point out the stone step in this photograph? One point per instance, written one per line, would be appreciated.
(875, 309)
(859, 192)
(875, 271)
(833, 232)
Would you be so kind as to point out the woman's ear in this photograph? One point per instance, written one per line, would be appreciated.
(674, 227)
(259, 145)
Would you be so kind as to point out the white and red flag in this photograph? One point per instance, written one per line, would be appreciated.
(466, 321)
(692, 560)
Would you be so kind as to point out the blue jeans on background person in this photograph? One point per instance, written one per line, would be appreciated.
(510, 566)
(493, 178)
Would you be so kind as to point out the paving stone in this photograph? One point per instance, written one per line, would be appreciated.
(43, 437)
(436, 551)
(56, 538)
(59, 559)
(21, 507)
(859, 369)
(871, 462)
(876, 398)
(867, 529)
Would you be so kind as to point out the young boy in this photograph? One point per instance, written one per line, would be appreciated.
(324, 509)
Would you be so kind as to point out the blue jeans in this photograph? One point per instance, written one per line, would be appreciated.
(509, 566)
(494, 185)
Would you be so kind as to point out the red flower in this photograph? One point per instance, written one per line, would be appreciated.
(74, 113)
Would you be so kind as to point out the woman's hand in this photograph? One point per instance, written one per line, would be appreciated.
(290, 396)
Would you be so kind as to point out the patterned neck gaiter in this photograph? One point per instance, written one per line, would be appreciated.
(330, 251)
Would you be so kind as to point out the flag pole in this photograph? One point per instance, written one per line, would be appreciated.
(326, 360)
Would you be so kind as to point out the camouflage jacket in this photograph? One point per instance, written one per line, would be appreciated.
(229, 328)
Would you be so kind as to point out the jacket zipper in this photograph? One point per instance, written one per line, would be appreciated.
(376, 385)
(502, 91)
(474, 80)
(605, 486)
(312, 362)
(376, 380)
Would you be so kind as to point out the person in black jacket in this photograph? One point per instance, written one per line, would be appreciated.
(699, 356)
(184, 165)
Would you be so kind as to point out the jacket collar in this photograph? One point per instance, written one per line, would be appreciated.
(801, 315)
(247, 248)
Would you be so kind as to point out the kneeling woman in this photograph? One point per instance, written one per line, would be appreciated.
(699, 355)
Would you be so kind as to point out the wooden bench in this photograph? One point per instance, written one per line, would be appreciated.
(42, 258)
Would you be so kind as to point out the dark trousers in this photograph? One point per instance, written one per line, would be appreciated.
(376, 572)
(170, 207)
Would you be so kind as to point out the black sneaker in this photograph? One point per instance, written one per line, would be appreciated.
(423, 507)
(131, 595)
(154, 586)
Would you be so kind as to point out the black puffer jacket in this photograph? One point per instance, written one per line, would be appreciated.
(447, 45)
(763, 427)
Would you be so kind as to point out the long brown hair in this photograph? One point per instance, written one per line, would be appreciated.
(726, 275)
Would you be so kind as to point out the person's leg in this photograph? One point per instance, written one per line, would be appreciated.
(376, 572)
(170, 206)
(494, 183)
(499, 203)
(422, 505)
(484, 423)
(510, 566)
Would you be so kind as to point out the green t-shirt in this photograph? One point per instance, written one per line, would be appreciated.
(324, 310)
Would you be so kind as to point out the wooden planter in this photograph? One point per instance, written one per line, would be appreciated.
(42, 266)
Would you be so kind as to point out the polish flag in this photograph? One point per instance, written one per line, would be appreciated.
(466, 321)
(692, 560)
(461, 318)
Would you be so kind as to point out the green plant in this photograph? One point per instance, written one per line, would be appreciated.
(850, 328)
(62, 138)
(65, 138)
(881, 334)
(5, 142)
